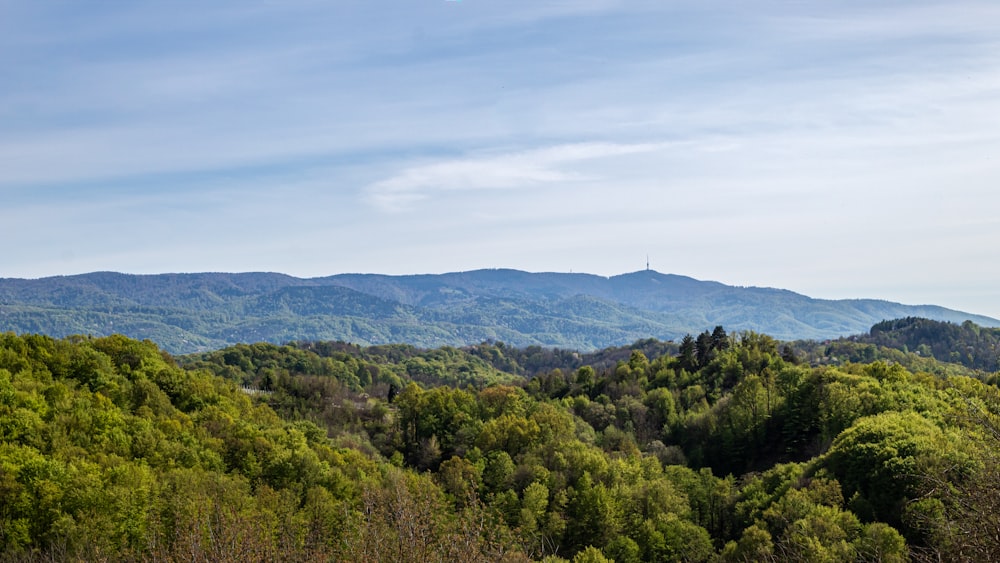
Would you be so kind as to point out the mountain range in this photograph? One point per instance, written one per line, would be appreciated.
(194, 312)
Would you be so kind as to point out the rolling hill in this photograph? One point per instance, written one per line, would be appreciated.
(195, 312)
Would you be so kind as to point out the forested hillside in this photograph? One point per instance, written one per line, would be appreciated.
(187, 313)
(967, 343)
(727, 447)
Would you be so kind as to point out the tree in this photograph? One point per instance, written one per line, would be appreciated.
(509, 433)
(590, 555)
(585, 379)
(720, 341)
(688, 353)
(959, 509)
(878, 459)
(593, 514)
(704, 349)
(638, 363)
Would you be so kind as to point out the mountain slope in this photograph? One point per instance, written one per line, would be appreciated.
(192, 312)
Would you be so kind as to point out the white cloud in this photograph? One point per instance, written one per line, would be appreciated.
(512, 170)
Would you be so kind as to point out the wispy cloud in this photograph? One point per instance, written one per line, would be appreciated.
(275, 130)
(523, 169)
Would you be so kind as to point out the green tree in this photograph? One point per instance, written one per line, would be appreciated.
(877, 458)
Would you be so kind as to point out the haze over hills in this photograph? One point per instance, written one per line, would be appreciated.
(192, 312)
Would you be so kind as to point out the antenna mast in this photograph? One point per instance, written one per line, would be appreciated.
(647, 262)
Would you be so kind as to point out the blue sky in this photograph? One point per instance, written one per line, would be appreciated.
(837, 149)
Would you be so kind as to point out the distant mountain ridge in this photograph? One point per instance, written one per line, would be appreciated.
(192, 312)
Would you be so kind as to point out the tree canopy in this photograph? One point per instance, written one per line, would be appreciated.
(731, 449)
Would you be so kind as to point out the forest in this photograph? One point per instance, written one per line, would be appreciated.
(722, 447)
(187, 313)
(967, 343)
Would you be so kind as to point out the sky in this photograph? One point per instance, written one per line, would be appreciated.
(836, 149)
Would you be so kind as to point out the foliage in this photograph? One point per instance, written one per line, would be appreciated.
(728, 448)
(967, 343)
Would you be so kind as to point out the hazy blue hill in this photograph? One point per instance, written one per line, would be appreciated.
(193, 312)
(444, 289)
(114, 289)
(409, 290)
(325, 300)
(578, 322)
(661, 292)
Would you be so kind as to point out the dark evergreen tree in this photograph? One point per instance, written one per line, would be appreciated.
(688, 357)
(703, 349)
(720, 340)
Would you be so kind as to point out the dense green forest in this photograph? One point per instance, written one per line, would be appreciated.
(967, 343)
(722, 447)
